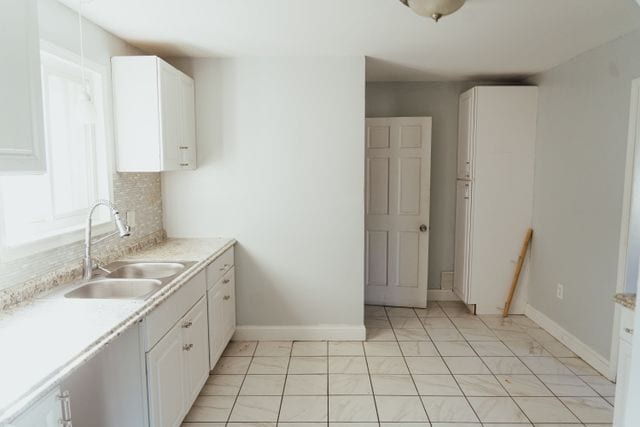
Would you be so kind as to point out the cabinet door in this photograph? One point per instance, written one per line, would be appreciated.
(196, 339)
(21, 121)
(165, 377)
(187, 145)
(229, 305)
(169, 99)
(622, 382)
(466, 129)
(216, 323)
(45, 413)
(462, 239)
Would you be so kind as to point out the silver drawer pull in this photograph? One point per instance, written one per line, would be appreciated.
(226, 297)
(226, 281)
(187, 324)
(183, 147)
(65, 399)
(187, 347)
(184, 164)
(629, 331)
(224, 267)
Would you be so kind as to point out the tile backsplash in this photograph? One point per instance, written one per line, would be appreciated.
(23, 278)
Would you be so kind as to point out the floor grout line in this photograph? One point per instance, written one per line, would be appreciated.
(457, 325)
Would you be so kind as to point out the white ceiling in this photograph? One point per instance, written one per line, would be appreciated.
(484, 39)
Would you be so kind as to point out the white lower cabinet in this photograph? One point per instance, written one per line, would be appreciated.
(166, 382)
(177, 368)
(195, 339)
(624, 366)
(152, 373)
(47, 412)
(222, 314)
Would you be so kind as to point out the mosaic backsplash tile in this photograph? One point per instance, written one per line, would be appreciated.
(26, 277)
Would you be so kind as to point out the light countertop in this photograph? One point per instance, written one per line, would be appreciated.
(626, 300)
(44, 341)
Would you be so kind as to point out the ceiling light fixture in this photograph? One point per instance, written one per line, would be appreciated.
(435, 9)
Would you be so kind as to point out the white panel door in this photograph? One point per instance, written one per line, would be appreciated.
(398, 173)
(462, 240)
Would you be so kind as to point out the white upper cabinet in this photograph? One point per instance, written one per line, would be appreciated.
(21, 121)
(154, 115)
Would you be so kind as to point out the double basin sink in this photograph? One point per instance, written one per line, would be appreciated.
(129, 280)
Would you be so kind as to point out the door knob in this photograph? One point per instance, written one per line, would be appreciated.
(423, 228)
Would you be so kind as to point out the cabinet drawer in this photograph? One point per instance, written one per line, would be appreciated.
(160, 320)
(626, 324)
(219, 266)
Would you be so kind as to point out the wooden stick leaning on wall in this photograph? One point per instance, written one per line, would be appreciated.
(516, 274)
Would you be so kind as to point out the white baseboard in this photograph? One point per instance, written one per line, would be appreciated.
(597, 361)
(441, 295)
(301, 333)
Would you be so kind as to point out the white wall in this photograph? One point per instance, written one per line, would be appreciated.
(579, 179)
(281, 168)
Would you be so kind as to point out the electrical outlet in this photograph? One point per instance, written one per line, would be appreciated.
(560, 291)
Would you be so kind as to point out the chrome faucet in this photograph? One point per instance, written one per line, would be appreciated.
(122, 229)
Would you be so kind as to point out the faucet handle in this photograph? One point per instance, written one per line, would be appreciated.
(99, 265)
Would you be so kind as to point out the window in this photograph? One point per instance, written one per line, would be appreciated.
(40, 207)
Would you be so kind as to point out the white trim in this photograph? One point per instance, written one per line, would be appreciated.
(12, 253)
(441, 295)
(302, 333)
(627, 198)
(597, 361)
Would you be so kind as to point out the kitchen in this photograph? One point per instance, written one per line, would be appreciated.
(245, 195)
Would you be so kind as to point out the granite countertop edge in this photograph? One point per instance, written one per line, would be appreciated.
(21, 403)
(626, 300)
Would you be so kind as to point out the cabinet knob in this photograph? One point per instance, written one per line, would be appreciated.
(226, 297)
(187, 324)
(423, 228)
(226, 281)
(187, 347)
(629, 331)
(183, 147)
(184, 164)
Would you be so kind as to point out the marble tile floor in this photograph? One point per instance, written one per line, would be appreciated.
(438, 367)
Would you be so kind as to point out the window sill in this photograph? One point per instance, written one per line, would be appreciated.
(13, 253)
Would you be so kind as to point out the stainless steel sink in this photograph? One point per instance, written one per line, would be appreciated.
(147, 270)
(116, 289)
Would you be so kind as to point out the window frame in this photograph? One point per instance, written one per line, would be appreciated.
(74, 233)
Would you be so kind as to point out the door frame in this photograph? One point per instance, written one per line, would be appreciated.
(428, 149)
(632, 164)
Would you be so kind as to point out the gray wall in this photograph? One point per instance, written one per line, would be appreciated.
(579, 178)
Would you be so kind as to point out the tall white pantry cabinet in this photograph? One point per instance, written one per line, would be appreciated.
(496, 138)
